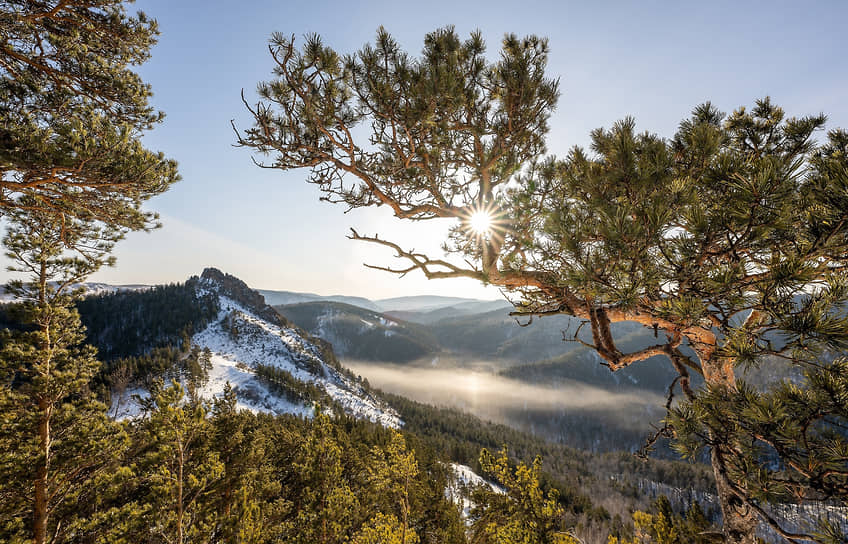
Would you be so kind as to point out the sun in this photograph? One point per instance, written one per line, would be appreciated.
(480, 222)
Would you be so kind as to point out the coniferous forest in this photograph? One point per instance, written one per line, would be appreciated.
(196, 413)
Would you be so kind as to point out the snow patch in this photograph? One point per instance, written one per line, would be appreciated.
(239, 341)
(462, 482)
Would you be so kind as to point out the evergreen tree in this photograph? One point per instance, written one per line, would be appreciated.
(711, 237)
(55, 435)
(72, 111)
(393, 473)
(794, 441)
(325, 508)
(247, 478)
(523, 513)
(385, 529)
(663, 526)
(180, 466)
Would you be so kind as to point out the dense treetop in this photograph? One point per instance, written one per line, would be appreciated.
(72, 111)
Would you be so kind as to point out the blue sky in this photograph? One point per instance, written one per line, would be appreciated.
(652, 60)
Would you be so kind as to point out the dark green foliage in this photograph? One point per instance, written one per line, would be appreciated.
(256, 478)
(180, 470)
(129, 323)
(72, 112)
(282, 383)
(54, 434)
(159, 363)
(795, 437)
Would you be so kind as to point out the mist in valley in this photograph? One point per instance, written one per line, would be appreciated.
(570, 412)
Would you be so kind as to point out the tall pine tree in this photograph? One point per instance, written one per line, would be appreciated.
(180, 466)
(55, 435)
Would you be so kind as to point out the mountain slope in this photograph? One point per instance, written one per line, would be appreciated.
(246, 336)
(358, 333)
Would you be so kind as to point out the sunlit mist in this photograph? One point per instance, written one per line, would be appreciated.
(489, 395)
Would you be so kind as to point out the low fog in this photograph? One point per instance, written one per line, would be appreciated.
(502, 399)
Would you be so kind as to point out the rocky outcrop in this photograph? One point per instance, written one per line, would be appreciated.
(234, 288)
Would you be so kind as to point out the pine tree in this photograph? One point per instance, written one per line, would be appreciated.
(72, 111)
(385, 529)
(241, 447)
(181, 468)
(393, 474)
(55, 435)
(710, 238)
(523, 513)
(793, 438)
(325, 508)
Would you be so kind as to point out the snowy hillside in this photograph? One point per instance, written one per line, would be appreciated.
(90, 288)
(247, 333)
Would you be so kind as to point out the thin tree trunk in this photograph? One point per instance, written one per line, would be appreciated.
(39, 527)
(40, 510)
(180, 495)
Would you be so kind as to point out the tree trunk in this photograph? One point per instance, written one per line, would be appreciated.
(180, 494)
(40, 510)
(739, 520)
(39, 525)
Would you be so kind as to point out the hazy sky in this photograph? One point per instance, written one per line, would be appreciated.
(652, 60)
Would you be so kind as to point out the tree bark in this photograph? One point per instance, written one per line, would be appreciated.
(39, 526)
(40, 506)
(739, 520)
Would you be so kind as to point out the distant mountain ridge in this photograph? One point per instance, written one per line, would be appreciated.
(90, 288)
(359, 333)
(416, 303)
(277, 298)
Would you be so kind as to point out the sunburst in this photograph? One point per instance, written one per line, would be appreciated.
(480, 222)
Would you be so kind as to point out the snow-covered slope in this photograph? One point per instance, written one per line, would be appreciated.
(90, 288)
(248, 333)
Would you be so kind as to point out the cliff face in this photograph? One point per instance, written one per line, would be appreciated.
(237, 290)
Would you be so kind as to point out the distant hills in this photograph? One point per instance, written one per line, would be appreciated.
(535, 353)
(419, 308)
(275, 298)
(404, 330)
(91, 289)
(361, 333)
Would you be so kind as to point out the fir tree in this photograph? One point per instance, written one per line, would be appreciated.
(709, 238)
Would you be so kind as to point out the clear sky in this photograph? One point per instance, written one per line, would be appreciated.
(652, 60)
